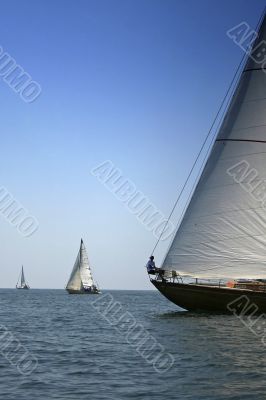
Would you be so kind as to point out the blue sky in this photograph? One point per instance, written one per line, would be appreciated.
(134, 82)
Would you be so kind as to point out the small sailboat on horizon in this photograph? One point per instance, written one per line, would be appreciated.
(23, 284)
(81, 280)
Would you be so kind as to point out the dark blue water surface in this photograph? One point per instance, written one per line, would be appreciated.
(80, 356)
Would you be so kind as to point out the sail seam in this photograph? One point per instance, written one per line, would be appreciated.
(241, 140)
(248, 127)
(236, 210)
(229, 238)
(242, 155)
(253, 69)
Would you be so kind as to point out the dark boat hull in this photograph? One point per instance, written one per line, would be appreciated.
(23, 288)
(71, 291)
(213, 299)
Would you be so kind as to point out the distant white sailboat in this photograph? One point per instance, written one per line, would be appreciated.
(81, 280)
(21, 283)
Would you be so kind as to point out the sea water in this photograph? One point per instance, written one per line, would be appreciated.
(75, 352)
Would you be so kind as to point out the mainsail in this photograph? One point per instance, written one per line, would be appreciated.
(81, 276)
(22, 279)
(223, 232)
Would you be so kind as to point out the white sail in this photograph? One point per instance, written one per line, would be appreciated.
(81, 276)
(85, 271)
(74, 281)
(22, 280)
(223, 232)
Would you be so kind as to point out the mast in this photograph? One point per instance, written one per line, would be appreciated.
(22, 279)
(85, 269)
(223, 231)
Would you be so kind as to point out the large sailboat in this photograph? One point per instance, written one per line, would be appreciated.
(218, 254)
(81, 280)
(21, 283)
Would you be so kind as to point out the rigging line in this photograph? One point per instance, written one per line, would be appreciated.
(201, 168)
(194, 186)
(206, 157)
(201, 149)
(228, 95)
(195, 183)
(199, 173)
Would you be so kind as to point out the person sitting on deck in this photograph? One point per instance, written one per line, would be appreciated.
(151, 269)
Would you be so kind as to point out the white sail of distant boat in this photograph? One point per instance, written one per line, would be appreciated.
(22, 284)
(81, 280)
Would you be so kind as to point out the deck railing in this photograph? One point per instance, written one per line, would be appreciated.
(172, 276)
